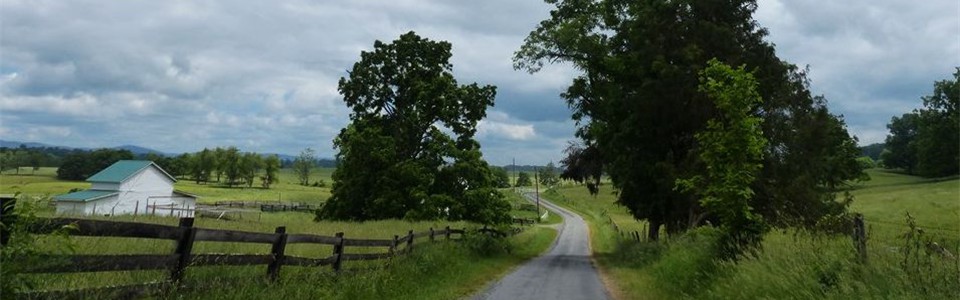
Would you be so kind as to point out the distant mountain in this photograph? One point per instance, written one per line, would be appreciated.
(137, 150)
(873, 150)
(16, 144)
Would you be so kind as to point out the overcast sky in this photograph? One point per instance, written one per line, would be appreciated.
(178, 76)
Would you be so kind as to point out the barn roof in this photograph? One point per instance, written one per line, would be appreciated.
(121, 170)
(84, 196)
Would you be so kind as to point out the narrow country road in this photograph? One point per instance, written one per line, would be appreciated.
(563, 273)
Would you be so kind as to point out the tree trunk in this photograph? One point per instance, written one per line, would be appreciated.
(654, 233)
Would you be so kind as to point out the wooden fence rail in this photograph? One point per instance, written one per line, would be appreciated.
(186, 235)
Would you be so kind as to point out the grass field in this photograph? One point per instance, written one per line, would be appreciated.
(437, 271)
(794, 264)
(44, 182)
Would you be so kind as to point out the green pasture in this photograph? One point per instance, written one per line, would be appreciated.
(44, 182)
(793, 264)
(450, 270)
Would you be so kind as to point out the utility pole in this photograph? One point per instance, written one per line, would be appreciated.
(536, 174)
(515, 188)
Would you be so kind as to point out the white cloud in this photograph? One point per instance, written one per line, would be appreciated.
(183, 75)
(503, 130)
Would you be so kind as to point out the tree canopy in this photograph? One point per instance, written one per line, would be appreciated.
(638, 107)
(395, 158)
(926, 141)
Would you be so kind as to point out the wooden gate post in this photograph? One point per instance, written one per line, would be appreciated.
(7, 204)
(448, 233)
(273, 270)
(184, 247)
(860, 237)
(338, 253)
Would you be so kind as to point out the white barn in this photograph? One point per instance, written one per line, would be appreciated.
(129, 187)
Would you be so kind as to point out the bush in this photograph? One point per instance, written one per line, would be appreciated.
(484, 245)
(21, 251)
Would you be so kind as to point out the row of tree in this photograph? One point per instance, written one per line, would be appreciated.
(926, 141)
(33, 158)
(228, 165)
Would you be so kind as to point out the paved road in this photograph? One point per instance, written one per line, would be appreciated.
(565, 272)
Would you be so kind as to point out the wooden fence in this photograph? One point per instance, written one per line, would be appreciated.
(185, 235)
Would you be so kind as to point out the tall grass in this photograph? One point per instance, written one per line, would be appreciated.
(794, 264)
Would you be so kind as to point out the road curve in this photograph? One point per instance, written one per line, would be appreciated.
(563, 273)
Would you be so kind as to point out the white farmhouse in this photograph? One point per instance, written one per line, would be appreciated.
(129, 187)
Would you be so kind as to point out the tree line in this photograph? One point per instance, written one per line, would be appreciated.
(228, 166)
(926, 141)
(32, 158)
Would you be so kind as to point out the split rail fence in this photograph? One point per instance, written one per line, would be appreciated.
(185, 235)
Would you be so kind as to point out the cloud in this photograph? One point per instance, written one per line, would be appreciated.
(182, 75)
(871, 59)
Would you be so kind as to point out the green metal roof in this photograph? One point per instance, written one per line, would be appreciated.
(121, 170)
(84, 196)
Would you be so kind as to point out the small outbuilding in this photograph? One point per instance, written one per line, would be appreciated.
(129, 187)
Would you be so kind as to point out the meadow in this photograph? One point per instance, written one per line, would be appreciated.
(439, 270)
(793, 264)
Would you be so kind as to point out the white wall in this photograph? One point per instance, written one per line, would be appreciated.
(148, 180)
(98, 207)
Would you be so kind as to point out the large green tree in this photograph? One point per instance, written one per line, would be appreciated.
(638, 107)
(926, 141)
(395, 159)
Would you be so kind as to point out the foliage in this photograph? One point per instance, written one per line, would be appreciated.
(501, 178)
(873, 150)
(901, 146)
(548, 175)
(731, 150)
(636, 102)
(24, 250)
(926, 141)
(583, 165)
(485, 245)
(866, 162)
(303, 164)
(523, 179)
(80, 165)
(395, 161)
(271, 170)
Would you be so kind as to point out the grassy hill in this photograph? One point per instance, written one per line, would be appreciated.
(793, 264)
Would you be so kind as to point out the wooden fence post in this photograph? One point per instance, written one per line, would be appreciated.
(184, 247)
(393, 246)
(860, 237)
(431, 234)
(273, 270)
(409, 241)
(338, 253)
(448, 233)
(7, 204)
